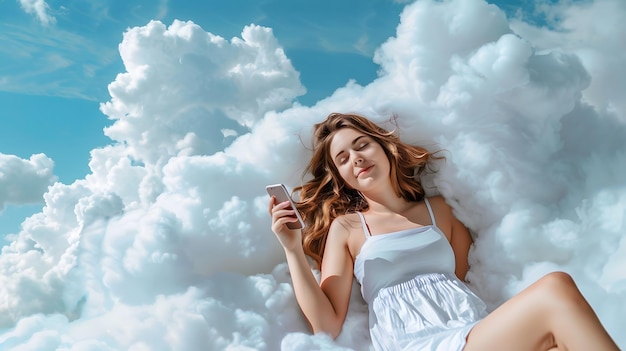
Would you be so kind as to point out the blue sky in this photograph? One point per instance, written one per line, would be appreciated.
(54, 75)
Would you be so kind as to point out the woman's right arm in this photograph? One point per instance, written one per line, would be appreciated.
(324, 305)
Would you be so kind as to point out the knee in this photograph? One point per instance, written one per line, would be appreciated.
(559, 287)
(558, 280)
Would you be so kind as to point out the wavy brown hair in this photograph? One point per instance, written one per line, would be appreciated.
(326, 196)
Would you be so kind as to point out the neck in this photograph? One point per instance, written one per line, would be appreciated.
(386, 201)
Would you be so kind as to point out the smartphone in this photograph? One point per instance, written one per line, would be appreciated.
(281, 194)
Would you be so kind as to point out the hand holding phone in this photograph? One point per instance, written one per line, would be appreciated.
(281, 194)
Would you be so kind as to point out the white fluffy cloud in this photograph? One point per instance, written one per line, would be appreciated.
(183, 86)
(166, 244)
(24, 181)
(591, 30)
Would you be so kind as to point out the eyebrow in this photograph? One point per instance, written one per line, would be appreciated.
(356, 140)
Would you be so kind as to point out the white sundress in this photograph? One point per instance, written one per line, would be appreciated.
(415, 300)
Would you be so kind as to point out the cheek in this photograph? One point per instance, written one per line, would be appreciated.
(344, 173)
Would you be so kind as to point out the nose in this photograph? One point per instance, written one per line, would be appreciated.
(357, 159)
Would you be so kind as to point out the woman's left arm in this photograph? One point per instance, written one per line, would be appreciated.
(458, 235)
(460, 241)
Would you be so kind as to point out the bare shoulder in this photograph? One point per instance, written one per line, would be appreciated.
(347, 230)
(347, 222)
(342, 226)
(439, 205)
(443, 213)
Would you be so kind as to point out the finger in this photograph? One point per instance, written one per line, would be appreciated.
(282, 222)
(280, 213)
(271, 204)
(281, 206)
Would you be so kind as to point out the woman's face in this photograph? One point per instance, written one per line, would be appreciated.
(360, 160)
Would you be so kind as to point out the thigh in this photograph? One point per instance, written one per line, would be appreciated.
(520, 324)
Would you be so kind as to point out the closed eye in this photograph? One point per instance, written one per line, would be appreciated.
(358, 144)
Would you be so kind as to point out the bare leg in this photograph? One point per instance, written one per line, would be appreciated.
(551, 314)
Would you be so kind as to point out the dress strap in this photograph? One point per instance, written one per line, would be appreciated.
(366, 231)
(430, 212)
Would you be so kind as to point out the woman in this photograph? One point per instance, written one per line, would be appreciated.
(366, 216)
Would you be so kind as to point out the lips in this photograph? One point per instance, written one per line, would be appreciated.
(363, 170)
